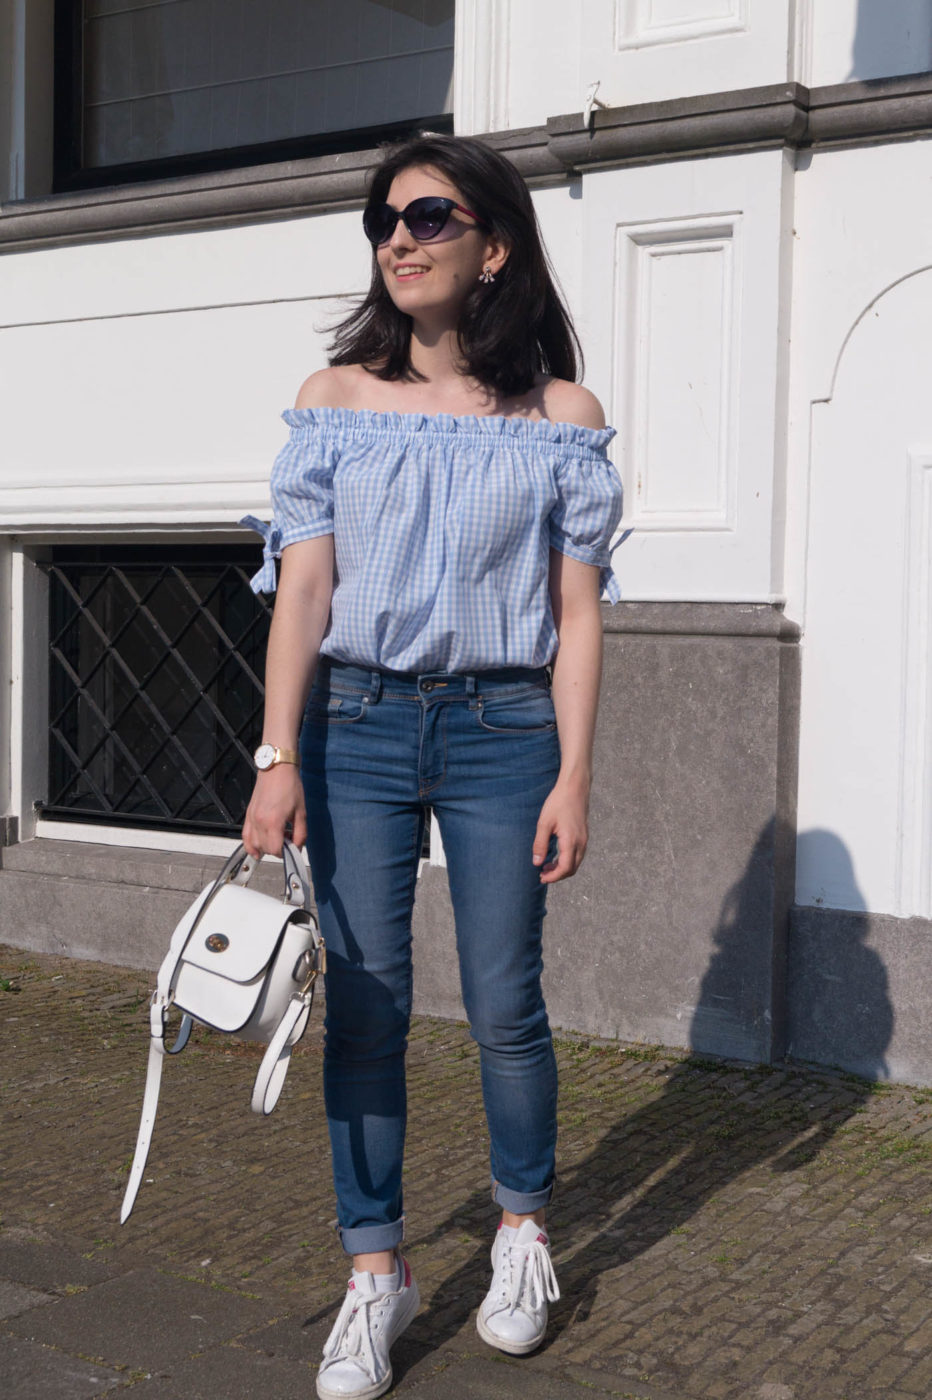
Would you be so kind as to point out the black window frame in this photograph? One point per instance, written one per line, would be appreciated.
(69, 173)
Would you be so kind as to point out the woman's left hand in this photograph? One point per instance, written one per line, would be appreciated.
(565, 816)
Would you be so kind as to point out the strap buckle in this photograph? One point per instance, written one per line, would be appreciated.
(315, 963)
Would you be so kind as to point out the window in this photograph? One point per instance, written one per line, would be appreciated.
(155, 701)
(147, 88)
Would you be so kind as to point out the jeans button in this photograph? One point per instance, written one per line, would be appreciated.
(427, 685)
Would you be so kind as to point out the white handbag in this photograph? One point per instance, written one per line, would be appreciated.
(242, 962)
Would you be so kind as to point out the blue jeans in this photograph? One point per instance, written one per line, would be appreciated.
(377, 749)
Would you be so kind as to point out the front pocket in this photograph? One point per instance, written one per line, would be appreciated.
(524, 712)
(336, 709)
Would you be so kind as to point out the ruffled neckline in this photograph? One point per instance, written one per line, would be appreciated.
(449, 424)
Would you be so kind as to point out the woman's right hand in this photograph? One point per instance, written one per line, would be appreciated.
(277, 801)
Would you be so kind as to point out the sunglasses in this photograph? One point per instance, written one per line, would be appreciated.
(424, 218)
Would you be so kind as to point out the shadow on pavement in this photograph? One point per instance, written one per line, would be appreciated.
(705, 1123)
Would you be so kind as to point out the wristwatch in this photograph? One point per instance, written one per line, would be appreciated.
(267, 755)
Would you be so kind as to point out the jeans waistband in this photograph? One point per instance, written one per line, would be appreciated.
(375, 679)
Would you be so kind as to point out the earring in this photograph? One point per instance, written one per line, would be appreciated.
(487, 275)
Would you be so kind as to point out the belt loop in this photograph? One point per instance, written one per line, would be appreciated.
(375, 686)
(472, 693)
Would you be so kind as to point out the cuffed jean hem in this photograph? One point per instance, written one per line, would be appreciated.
(520, 1202)
(372, 1239)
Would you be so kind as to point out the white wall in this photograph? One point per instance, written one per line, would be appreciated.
(653, 50)
(140, 382)
(859, 39)
(6, 652)
(755, 326)
(860, 525)
(685, 307)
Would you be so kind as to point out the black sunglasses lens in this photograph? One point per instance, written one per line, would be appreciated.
(378, 221)
(426, 217)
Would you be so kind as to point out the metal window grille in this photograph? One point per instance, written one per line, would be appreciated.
(155, 701)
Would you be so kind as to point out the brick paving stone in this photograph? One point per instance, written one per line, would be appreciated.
(886, 1371)
(763, 1215)
(919, 1341)
(918, 1380)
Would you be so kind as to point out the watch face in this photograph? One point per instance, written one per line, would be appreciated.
(264, 756)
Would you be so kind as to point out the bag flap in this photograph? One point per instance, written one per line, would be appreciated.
(238, 933)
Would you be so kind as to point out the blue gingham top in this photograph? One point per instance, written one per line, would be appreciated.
(442, 527)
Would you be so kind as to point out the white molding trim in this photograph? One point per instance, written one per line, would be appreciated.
(637, 319)
(137, 837)
(28, 688)
(801, 42)
(914, 847)
(634, 29)
(106, 505)
(480, 66)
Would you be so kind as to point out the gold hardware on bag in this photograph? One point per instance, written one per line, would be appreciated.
(217, 942)
(315, 966)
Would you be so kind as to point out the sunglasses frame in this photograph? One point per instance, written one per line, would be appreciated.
(448, 206)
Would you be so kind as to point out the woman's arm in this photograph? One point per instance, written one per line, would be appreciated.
(302, 608)
(577, 674)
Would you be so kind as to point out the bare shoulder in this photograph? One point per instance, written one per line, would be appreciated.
(565, 402)
(333, 387)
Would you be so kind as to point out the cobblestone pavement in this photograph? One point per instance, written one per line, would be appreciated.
(719, 1230)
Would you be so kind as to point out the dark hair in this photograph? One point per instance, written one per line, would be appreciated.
(509, 330)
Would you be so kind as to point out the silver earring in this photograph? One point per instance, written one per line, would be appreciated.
(486, 275)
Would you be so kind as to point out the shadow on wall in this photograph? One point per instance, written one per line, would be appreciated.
(733, 1012)
(892, 36)
(642, 1150)
(840, 1008)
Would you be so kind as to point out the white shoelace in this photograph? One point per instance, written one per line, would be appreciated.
(529, 1281)
(351, 1338)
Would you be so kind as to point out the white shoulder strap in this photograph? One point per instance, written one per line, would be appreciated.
(274, 1066)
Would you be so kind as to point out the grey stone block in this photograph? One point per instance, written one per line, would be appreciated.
(674, 929)
(145, 1320)
(122, 924)
(117, 904)
(32, 1372)
(860, 986)
(706, 123)
(53, 1268)
(479, 1378)
(234, 1374)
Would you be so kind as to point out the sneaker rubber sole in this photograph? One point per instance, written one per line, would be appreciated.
(512, 1348)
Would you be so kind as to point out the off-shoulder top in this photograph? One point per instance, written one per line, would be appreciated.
(442, 528)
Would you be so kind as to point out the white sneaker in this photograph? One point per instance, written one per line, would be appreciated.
(513, 1316)
(356, 1364)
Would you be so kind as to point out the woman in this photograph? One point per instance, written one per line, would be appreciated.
(443, 513)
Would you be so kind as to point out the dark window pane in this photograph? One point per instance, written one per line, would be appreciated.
(155, 697)
(164, 78)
